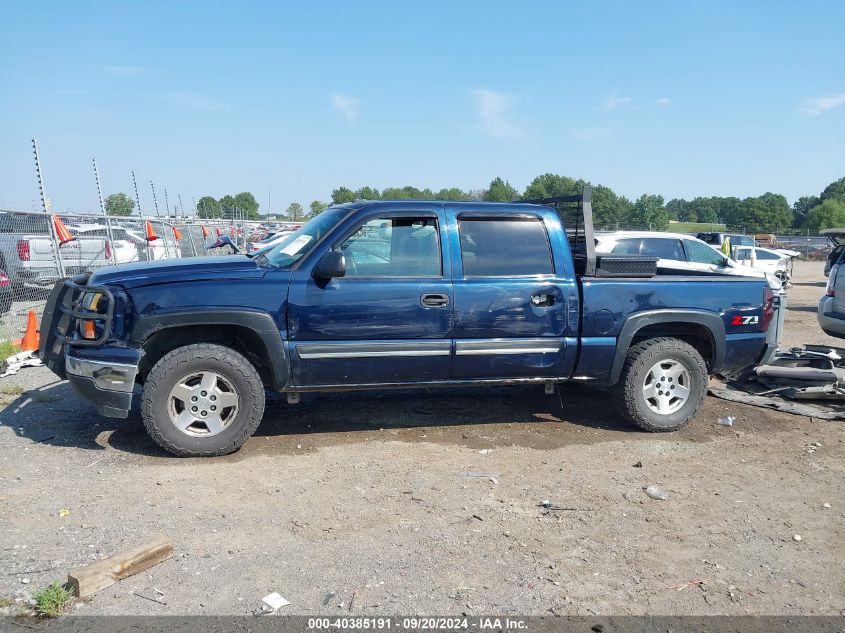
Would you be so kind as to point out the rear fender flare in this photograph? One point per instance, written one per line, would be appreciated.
(636, 322)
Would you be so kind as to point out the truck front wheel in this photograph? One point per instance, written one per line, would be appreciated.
(202, 400)
(663, 383)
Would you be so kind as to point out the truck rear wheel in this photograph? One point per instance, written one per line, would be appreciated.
(663, 383)
(202, 400)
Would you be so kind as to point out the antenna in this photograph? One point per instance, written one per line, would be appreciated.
(166, 204)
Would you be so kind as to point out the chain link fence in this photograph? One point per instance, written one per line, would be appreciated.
(33, 256)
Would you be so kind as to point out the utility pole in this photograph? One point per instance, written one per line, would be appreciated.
(137, 197)
(181, 208)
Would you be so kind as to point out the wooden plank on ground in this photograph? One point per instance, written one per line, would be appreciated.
(91, 578)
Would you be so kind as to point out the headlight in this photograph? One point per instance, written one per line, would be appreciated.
(91, 301)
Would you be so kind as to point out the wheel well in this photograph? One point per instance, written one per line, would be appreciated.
(242, 339)
(697, 335)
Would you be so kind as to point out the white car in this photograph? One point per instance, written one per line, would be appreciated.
(764, 259)
(124, 247)
(678, 254)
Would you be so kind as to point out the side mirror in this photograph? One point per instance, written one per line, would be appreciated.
(332, 264)
(726, 263)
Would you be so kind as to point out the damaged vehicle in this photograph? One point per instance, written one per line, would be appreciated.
(398, 294)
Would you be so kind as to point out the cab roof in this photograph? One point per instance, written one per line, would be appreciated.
(469, 205)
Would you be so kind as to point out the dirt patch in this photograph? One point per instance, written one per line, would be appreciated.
(429, 502)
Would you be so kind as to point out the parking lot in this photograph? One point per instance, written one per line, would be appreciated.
(430, 502)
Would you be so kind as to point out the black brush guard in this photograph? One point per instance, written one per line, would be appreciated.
(59, 323)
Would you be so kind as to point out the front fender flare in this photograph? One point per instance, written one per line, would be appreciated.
(261, 323)
(636, 322)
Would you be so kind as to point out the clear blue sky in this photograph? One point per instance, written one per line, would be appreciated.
(677, 98)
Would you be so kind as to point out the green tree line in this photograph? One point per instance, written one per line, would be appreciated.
(769, 212)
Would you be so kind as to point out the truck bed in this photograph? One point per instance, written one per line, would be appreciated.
(608, 304)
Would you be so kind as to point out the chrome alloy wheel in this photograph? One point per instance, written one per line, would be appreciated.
(202, 404)
(666, 387)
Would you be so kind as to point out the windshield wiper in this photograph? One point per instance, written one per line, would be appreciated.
(261, 260)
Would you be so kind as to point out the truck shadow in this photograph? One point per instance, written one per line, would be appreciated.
(483, 417)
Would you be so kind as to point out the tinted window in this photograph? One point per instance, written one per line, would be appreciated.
(628, 246)
(394, 247)
(743, 255)
(703, 254)
(505, 247)
(741, 240)
(14, 223)
(662, 248)
(765, 255)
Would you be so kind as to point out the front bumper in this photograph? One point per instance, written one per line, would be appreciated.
(106, 383)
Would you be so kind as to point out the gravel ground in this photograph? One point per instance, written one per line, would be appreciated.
(428, 502)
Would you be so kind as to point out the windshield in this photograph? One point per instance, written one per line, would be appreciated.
(295, 245)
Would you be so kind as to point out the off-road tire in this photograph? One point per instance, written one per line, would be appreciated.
(640, 359)
(209, 357)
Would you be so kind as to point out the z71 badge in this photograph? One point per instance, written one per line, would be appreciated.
(745, 320)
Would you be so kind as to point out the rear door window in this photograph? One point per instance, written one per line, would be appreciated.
(505, 246)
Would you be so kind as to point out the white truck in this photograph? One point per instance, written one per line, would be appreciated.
(28, 256)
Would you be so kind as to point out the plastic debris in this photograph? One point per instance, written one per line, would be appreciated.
(64, 512)
(825, 505)
(638, 465)
(655, 492)
(796, 537)
(728, 421)
(485, 451)
(275, 601)
(15, 363)
(546, 503)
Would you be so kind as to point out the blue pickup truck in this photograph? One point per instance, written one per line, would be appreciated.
(375, 295)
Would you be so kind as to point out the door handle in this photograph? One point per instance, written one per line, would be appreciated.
(434, 300)
(542, 300)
